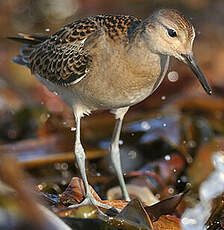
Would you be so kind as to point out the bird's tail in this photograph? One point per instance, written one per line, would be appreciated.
(29, 41)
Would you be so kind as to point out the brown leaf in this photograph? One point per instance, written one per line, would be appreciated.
(167, 223)
(75, 192)
(118, 204)
(167, 206)
(132, 217)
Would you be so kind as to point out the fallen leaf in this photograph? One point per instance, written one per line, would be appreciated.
(75, 192)
(167, 223)
(164, 207)
(132, 217)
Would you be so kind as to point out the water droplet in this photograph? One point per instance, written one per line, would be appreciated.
(132, 154)
(163, 98)
(173, 76)
(191, 144)
(170, 190)
(64, 166)
(40, 186)
(145, 125)
(167, 157)
(121, 142)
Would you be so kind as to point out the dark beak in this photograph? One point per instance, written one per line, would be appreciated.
(192, 63)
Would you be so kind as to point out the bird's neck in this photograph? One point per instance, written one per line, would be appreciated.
(141, 56)
(140, 49)
(141, 37)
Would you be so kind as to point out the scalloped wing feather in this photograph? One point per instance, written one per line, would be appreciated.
(64, 57)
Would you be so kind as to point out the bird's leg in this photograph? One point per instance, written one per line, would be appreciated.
(115, 152)
(80, 158)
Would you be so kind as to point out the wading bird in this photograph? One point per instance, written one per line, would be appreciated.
(109, 62)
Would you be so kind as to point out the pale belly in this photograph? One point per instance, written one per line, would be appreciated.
(93, 93)
(106, 96)
(106, 92)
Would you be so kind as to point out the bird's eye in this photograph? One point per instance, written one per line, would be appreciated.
(172, 33)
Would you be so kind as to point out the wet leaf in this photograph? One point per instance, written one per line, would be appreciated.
(93, 224)
(75, 192)
(167, 223)
(167, 206)
(87, 211)
(132, 217)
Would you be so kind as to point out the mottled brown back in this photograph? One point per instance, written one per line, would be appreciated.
(64, 59)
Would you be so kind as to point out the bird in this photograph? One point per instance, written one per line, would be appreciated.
(109, 62)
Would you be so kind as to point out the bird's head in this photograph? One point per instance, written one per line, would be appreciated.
(168, 32)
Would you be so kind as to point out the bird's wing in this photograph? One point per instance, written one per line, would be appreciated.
(64, 57)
